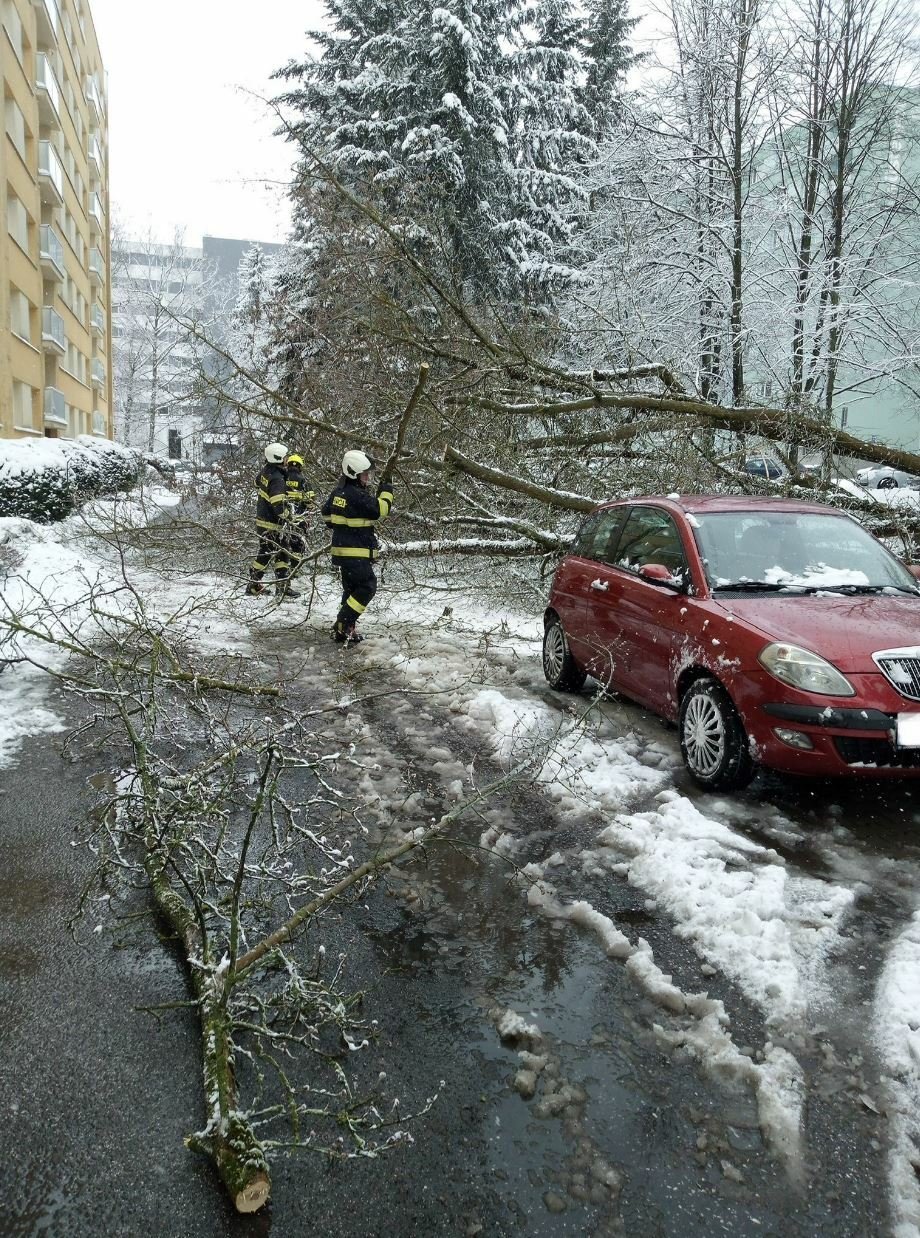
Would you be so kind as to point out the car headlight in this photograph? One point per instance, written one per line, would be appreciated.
(800, 668)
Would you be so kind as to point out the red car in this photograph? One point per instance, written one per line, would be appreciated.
(772, 632)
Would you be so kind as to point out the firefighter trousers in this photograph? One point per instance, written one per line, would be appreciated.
(359, 584)
(271, 552)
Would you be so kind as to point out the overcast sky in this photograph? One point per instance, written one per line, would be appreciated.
(189, 147)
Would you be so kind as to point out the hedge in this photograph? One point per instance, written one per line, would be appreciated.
(46, 479)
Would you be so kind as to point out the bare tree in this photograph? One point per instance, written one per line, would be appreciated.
(156, 287)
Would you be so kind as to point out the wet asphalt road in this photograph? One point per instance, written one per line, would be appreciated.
(97, 1096)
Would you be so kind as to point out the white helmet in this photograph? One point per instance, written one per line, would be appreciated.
(356, 462)
(275, 453)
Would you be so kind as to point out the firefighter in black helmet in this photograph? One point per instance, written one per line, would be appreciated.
(352, 512)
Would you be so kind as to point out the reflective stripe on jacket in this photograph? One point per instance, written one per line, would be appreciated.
(299, 497)
(352, 512)
(272, 491)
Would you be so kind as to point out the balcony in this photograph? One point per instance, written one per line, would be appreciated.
(94, 99)
(97, 320)
(51, 254)
(96, 267)
(50, 175)
(96, 162)
(48, 92)
(54, 338)
(100, 425)
(48, 22)
(98, 374)
(55, 407)
(95, 213)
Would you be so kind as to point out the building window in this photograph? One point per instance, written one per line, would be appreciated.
(844, 416)
(20, 315)
(22, 406)
(75, 363)
(12, 24)
(16, 127)
(175, 445)
(17, 221)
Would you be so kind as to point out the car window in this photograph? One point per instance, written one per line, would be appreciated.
(794, 548)
(598, 536)
(650, 536)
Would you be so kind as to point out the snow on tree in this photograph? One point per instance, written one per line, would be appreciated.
(157, 289)
(605, 42)
(552, 128)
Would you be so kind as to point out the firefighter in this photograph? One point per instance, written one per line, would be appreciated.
(271, 488)
(297, 513)
(352, 512)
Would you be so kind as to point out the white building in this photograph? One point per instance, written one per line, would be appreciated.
(158, 291)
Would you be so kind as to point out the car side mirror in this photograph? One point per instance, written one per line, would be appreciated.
(658, 574)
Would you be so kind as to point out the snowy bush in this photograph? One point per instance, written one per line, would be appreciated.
(45, 479)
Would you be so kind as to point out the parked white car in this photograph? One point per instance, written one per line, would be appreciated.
(884, 477)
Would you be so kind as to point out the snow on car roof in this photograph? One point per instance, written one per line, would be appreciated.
(728, 503)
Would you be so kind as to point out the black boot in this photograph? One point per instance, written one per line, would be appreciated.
(345, 633)
(254, 588)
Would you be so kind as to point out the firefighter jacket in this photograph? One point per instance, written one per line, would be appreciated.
(352, 512)
(299, 496)
(272, 491)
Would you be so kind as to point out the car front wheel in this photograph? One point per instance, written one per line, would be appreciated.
(712, 738)
(887, 483)
(560, 668)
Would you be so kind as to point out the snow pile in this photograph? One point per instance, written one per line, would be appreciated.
(821, 576)
(732, 899)
(48, 575)
(897, 1033)
(38, 566)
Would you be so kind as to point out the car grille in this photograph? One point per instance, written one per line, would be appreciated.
(902, 670)
(877, 752)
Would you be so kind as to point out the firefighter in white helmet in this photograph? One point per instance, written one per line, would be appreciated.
(352, 512)
(271, 489)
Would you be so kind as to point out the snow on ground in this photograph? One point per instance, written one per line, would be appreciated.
(733, 900)
(54, 568)
(897, 1032)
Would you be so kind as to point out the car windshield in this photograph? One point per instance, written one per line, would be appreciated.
(762, 551)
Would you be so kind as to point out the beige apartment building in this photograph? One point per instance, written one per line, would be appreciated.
(55, 290)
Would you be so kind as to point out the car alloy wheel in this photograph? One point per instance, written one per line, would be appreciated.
(712, 738)
(559, 667)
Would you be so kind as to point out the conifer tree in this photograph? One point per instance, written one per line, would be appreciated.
(609, 58)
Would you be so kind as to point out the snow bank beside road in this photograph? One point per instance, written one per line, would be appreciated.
(765, 928)
(37, 563)
(897, 1033)
(47, 572)
(732, 898)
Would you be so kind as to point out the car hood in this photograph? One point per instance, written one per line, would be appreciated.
(845, 630)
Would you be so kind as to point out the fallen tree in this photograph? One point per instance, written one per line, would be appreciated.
(227, 813)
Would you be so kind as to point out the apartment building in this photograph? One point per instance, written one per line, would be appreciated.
(167, 386)
(55, 290)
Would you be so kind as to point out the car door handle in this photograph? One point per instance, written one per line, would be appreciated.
(600, 585)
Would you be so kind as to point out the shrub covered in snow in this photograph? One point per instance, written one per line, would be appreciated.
(45, 479)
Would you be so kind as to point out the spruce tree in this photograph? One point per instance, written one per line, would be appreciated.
(608, 57)
(552, 139)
